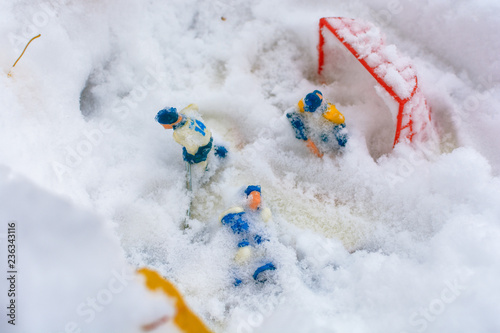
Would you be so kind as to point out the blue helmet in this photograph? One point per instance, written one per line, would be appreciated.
(252, 188)
(167, 116)
(312, 101)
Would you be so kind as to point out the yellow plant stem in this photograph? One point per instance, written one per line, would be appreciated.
(10, 72)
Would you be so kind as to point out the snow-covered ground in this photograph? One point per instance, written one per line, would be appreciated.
(371, 240)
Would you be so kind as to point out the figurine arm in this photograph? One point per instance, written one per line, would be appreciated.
(334, 115)
(266, 215)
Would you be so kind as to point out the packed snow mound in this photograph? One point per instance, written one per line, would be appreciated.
(369, 240)
(71, 271)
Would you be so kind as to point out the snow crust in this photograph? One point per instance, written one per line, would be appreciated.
(368, 240)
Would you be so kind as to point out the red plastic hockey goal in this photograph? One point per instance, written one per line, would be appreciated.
(390, 69)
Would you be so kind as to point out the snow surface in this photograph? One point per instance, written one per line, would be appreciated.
(365, 241)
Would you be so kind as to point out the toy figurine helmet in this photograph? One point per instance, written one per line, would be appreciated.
(253, 194)
(312, 101)
(167, 116)
(252, 188)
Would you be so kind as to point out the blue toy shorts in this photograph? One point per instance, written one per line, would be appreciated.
(200, 156)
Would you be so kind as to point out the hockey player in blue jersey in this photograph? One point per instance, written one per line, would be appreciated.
(247, 226)
(318, 123)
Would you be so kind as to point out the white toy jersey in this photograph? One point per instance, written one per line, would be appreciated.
(193, 134)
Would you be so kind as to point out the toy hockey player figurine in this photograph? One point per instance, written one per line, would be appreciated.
(194, 137)
(190, 133)
(318, 122)
(245, 225)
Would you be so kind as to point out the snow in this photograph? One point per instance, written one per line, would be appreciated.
(72, 272)
(368, 240)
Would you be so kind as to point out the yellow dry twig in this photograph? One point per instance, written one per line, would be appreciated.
(10, 72)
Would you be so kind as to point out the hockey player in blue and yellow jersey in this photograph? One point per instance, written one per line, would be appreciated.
(319, 123)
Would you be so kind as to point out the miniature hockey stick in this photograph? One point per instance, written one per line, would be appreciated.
(189, 187)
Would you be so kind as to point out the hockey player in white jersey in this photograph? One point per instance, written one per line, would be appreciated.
(191, 133)
(196, 141)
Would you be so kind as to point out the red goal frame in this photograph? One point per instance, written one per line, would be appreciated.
(412, 104)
